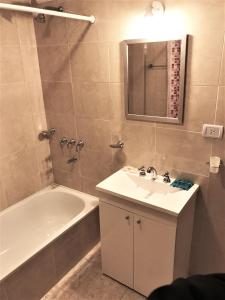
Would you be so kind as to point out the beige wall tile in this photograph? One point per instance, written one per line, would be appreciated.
(95, 164)
(139, 143)
(52, 32)
(209, 256)
(96, 133)
(8, 29)
(182, 144)
(58, 97)
(200, 107)
(11, 68)
(216, 195)
(84, 32)
(44, 161)
(26, 29)
(199, 16)
(30, 63)
(203, 67)
(89, 186)
(218, 147)
(14, 100)
(86, 61)
(179, 166)
(3, 295)
(118, 104)
(65, 125)
(68, 178)
(93, 100)
(22, 173)
(116, 62)
(16, 125)
(220, 112)
(183, 150)
(54, 63)
(222, 71)
(35, 97)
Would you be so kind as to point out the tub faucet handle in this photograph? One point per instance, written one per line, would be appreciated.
(80, 145)
(71, 142)
(63, 141)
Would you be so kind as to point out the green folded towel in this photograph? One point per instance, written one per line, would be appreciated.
(182, 184)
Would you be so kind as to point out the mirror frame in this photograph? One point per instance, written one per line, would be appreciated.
(179, 120)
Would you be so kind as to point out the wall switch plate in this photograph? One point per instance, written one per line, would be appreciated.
(212, 131)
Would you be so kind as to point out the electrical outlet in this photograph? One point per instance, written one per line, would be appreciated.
(212, 131)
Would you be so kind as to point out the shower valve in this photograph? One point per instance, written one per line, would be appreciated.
(63, 141)
(71, 142)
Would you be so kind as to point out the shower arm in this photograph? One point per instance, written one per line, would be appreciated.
(50, 12)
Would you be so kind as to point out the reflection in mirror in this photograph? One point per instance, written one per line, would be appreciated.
(155, 80)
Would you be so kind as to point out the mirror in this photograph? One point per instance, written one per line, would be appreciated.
(154, 80)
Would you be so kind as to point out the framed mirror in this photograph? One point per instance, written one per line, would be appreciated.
(155, 80)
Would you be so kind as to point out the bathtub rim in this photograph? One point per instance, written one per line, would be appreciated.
(93, 205)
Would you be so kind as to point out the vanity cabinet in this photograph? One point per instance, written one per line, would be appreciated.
(143, 248)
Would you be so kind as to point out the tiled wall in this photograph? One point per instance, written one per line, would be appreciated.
(24, 160)
(82, 79)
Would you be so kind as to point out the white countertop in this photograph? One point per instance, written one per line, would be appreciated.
(129, 185)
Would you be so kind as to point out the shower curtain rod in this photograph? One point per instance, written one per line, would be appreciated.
(35, 10)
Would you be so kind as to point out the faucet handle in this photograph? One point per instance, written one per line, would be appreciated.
(166, 177)
(142, 171)
(141, 168)
(166, 174)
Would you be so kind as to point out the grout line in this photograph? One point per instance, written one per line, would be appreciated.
(75, 117)
(177, 129)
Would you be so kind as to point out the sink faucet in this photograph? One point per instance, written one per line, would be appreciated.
(153, 172)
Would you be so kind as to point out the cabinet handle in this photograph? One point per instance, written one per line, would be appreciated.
(138, 221)
(127, 217)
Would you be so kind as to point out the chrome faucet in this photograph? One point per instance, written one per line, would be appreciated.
(152, 171)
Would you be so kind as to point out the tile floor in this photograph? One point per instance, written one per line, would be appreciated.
(85, 281)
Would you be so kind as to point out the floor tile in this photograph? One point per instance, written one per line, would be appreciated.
(86, 281)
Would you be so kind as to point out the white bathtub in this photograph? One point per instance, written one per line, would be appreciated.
(28, 226)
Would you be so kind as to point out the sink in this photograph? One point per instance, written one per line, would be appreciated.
(129, 185)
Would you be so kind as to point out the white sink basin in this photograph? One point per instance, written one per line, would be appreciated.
(129, 185)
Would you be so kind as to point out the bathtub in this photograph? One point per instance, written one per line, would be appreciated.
(34, 223)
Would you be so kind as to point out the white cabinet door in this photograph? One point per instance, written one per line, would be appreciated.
(116, 227)
(154, 247)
